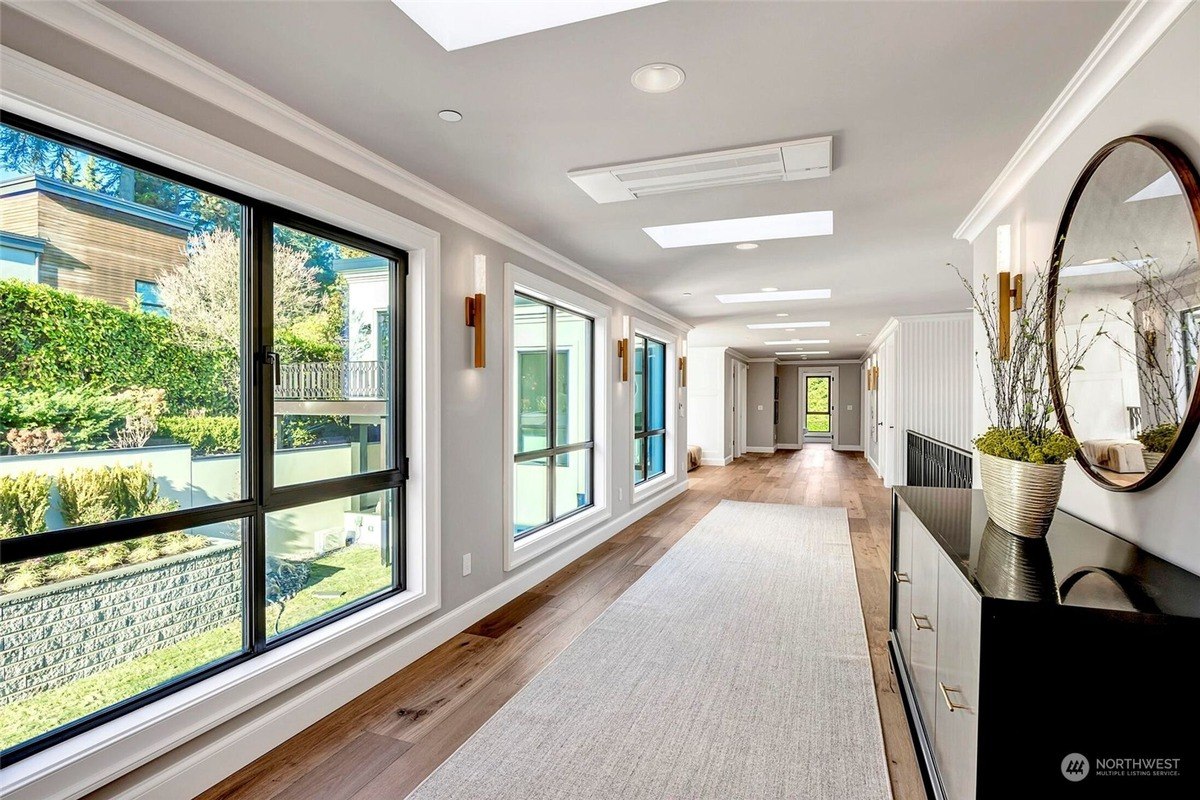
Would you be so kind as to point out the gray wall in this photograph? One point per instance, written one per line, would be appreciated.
(789, 404)
(472, 424)
(1159, 96)
(760, 425)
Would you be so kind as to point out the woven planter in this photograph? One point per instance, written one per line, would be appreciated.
(1021, 497)
(1151, 459)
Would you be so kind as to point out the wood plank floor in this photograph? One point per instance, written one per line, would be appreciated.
(384, 743)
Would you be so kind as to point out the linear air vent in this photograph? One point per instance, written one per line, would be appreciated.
(783, 161)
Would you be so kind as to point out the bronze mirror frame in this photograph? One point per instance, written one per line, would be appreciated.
(1185, 172)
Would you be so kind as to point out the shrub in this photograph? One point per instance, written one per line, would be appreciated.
(24, 501)
(1047, 447)
(92, 560)
(104, 494)
(89, 416)
(53, 341)
(1159, 438)
(206, 435)
(32, 441)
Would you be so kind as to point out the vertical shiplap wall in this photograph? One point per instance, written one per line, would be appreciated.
(936, 364)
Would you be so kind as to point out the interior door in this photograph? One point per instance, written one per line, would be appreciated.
(889, 410)
(818, 407)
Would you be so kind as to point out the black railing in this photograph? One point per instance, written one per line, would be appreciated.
(934, 463)
(333, 380)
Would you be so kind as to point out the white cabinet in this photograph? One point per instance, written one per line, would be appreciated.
(923, 619)
(905, 521)
(956, 721)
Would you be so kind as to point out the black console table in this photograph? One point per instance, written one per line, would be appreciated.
(1056, 668)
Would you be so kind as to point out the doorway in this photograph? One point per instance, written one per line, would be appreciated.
(818, 423)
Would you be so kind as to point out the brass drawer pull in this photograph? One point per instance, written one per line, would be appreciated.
(950, 704)
(901, 577)
(922, 622)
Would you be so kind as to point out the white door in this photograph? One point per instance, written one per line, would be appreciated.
(818, 404)
(741, 374)
(888, 410)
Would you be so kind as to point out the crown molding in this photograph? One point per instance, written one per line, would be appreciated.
(120, 37)
(1140, 25)
(763, 360)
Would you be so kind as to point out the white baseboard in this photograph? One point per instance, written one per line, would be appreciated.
(789, 446)
(203, 762)
(716, 462)
(848, 448)
(760, 449)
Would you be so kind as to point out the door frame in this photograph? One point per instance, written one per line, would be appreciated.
(802, 402)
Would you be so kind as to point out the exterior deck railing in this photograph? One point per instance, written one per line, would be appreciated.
(333, 380)
(934, 463)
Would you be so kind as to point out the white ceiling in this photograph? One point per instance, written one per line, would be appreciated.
(926, 101)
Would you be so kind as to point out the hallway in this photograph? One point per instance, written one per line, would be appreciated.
(385, 742)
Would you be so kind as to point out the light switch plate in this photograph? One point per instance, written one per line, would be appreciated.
(466, 564)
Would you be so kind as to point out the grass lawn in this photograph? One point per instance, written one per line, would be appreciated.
(335, 580)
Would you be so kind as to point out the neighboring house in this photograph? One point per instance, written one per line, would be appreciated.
(87, 243)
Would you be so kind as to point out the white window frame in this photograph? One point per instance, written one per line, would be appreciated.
(644, 491)
(96, 756)
(533, 285)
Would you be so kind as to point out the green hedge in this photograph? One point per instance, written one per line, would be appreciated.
(206, 435)
(54, 341)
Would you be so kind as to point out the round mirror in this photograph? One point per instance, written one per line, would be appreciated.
(1124, 300)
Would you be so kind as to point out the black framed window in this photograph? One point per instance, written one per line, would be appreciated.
(183, 489)
(554, 449)
(649, 408)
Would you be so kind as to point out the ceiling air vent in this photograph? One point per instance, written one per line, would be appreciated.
(783, 161)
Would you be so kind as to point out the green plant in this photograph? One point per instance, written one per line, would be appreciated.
(206, 435)
(1049, 447)
(1159, 438)
(104, 494)
(94, 560)
(53, 342)
(32, 441)
(89, 416)
(24, 501)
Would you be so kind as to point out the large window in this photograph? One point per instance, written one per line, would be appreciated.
(554, 448)
(201, 412)
(818, 415)
(649, 408)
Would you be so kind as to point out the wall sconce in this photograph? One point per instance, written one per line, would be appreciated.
(477, 311)
(683, 372)
(1010, 289)
(623, 354)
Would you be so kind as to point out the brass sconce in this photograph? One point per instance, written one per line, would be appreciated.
(1010, 289)
(477, 311)
(623, 354)
(683, 372)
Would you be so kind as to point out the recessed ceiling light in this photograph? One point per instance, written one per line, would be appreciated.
(658, 78)
(804, 353)
(774, 296)
(449, 115)
(860, 334)
(458, 25)
(763, 326)
(725, 231)
(769, 289)
(746, 246)
(797, 341)
(781, 314)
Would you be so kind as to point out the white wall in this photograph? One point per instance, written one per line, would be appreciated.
(1160, 96)
(707, 421)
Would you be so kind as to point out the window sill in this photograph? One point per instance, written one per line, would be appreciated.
(644, 491)
(92, 758)
(529, 548)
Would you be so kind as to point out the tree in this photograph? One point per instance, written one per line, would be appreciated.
(204, 295)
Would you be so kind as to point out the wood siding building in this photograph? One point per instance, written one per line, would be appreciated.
(92, 244)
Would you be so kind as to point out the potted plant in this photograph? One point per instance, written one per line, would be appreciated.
(1156, 441)
(1023, 454)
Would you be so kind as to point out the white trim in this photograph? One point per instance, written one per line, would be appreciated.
(789, 446)
(832, 372)
(848, 448)
(104, 29)
(716, 462)
(640, 493)
(1130, 37)
(203, 766)
(760, 450)
(518, 553)
(771, 360)
(100, 755)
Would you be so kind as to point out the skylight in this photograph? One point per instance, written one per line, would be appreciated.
(775, 296)
(797, 341)
(1166, 186)
(765, 326)
(804, 353)
(725, 231)
(455, 24)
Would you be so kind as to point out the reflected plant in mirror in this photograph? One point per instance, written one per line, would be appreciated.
(1126, 272)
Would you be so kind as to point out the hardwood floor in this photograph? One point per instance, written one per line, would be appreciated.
(384, 743)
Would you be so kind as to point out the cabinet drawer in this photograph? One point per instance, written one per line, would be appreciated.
(923, 623)
(905, 521)
(956, 728)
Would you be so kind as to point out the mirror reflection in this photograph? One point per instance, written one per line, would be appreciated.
(1129, 296)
